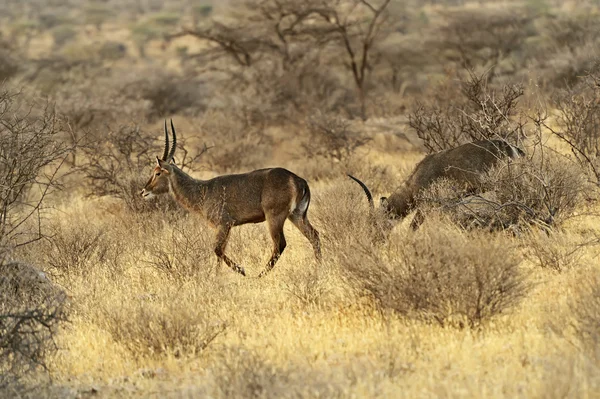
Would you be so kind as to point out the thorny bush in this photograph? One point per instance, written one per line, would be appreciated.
(440, 274)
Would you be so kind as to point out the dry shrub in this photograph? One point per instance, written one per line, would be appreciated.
(240, 142)
(76, 248)
(332, 138)
(440, 274)
(121, 165)
(472, 112)
(183, 252)
(572, 30)
(343, 209)
(166, 94)
(167, 325)
(578, 120)
(32, 310)
(308, 285)
(543, 190)
(30, 158)
(557, 251)
(585, 307)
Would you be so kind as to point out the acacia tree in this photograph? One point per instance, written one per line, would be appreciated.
(287, 31)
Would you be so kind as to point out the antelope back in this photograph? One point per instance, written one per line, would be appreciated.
(248, 197)
(464, 164)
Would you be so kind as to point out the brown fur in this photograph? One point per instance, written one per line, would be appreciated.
(463, 164)
(272, 195)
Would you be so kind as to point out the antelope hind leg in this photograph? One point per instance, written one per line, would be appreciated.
(279, 243)
(302, 223)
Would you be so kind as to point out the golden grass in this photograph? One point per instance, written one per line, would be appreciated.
(299, 332)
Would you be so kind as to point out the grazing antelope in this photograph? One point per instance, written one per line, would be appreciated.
(463, 164)
(272, 195)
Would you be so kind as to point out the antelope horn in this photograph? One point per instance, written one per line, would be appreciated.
(174, 143)
(366, 190)
(166, 151)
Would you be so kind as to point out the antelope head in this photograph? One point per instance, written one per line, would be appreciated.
(159, 181)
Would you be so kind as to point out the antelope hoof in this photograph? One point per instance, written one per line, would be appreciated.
(240, 270)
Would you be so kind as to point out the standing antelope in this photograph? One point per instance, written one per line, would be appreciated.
(273, 194)
(463, 164)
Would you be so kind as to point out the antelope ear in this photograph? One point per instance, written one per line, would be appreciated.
(165, 171)
(157, 161)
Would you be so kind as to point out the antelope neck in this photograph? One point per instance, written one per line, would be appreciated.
(184, 188)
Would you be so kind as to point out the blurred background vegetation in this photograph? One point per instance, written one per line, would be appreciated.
(324, 88)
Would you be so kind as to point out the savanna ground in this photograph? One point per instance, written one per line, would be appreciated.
(106, 295)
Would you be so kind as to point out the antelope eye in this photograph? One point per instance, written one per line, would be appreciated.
(157, 173)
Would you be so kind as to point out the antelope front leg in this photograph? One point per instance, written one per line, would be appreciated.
(222, 236)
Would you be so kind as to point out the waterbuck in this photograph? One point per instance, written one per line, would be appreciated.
(463, 164)
(272, 195)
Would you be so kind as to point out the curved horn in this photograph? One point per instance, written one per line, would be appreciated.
(166, 151)
(366, 190)
(174, 143)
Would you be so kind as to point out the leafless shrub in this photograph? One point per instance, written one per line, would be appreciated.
(74, 250)
(479, 113)
(90, 107)
(158, 327)
(167, 94)
(246, 153)
(31, 154)
(555, 251)
(333, 138)
(32, 310)
(307, 285)
(346, 222)
(441, 274)
(119, 166)
(183, 256)
(240, 142)
(566, 68)
(578, 121)
(571, 30)
(585, 307)
(543, 190)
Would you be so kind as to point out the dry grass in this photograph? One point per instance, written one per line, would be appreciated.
(302, 331)
(441, 312)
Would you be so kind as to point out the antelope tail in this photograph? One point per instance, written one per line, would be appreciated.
(366, 190)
